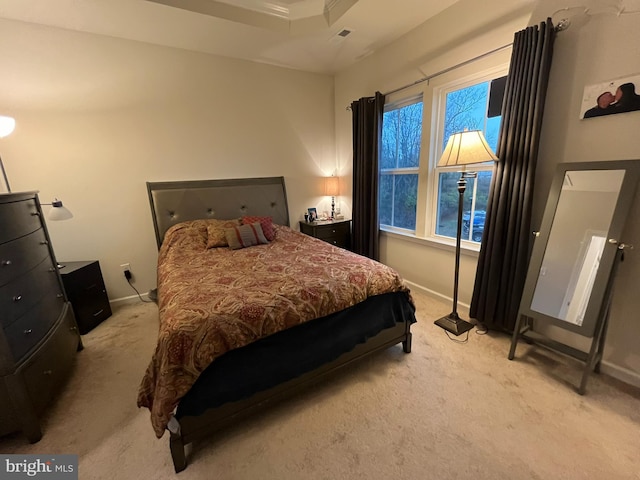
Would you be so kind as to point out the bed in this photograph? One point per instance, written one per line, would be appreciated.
(246, 324)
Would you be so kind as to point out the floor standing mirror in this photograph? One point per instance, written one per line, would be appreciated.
(571, 274)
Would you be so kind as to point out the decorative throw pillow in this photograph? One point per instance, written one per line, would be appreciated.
(216, 231)
(265, 222)
(245, 236)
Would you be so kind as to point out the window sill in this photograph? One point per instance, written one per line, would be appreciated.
(466, 248)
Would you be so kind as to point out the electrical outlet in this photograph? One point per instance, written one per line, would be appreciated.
(126, 269)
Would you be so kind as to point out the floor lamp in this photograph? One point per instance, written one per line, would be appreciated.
(7, 124)
(463, 148)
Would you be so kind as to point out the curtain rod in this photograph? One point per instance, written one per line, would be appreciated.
(446, 70)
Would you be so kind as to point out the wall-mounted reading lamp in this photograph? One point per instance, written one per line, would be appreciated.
(58, 212)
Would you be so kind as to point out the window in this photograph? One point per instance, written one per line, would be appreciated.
(399, 164)
(474, 106)
(415, 196)
(474, 204)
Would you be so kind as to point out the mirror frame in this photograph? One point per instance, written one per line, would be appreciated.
(595, 305)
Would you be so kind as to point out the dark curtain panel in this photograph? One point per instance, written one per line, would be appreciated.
(505, 250)
(367, 130)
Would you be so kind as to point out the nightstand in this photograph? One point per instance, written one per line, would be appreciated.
(337, 232)
(87, 293)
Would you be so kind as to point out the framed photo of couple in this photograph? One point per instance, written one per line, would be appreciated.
(610, 97)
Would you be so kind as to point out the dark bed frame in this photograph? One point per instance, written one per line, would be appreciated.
(174, 202)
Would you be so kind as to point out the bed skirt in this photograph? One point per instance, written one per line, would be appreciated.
(240, 373)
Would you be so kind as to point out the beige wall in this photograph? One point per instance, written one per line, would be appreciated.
(593, 50)
(606, 47)
(97, 117)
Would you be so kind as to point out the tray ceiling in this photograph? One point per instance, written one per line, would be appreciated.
(322, 36)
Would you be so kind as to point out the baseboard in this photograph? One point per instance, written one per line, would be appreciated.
(433, 293)
(119, 302)
(620, 373)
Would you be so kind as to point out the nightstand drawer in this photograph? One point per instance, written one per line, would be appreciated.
(339, 239)
(92, 313)
(330, 232)
(336, 233)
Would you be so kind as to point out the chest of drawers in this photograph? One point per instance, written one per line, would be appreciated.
(39, 336)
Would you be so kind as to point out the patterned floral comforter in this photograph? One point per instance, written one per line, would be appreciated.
(215, 300)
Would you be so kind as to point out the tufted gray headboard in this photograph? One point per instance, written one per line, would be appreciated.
(175, 202)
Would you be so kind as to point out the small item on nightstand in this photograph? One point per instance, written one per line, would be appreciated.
(306, 217)
(313, 214)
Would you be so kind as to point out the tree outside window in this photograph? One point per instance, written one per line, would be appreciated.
(399, 162)
(466, 108)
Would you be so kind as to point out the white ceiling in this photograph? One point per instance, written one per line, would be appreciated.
(300, 34)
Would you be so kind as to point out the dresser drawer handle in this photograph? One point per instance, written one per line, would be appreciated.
(28, 331)
(44, 242)
(6, 262)
(73, 329)
(59, 295)
(17, 298)
(98, 312)
(51, 269)
(47, 372)
(35, 214)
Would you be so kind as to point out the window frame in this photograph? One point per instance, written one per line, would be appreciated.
(397, 105)
(435, 148)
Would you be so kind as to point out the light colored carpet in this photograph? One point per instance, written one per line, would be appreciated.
(445, 411)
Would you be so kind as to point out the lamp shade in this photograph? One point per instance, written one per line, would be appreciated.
(465, 148)
(331, 186)
(7, 124)
(59, 211)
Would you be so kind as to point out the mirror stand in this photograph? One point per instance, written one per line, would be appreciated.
(575, 257)
(524, 325)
